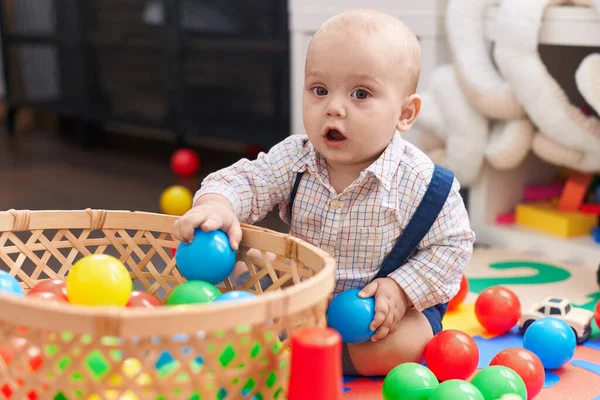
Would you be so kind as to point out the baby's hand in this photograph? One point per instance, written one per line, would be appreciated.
(390, 306)
(210, 213)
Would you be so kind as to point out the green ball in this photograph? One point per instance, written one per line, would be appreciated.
(496, 381)
(409, 381)
(456, 389)
(193, 292)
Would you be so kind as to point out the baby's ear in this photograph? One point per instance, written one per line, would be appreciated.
(410, 111)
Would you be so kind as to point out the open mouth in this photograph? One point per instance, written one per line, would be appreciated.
(335, 135)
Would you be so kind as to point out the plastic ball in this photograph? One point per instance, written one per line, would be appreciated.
(458, 299)
(351, 316)
(597, 313)
(452, 354)
(496, 381)
(98, 280)
(409, 381)
(526, 364)
(456, 389)
(193, 292)
(209, 257)
(10, 285)
(139, 299)
(235, 295)
(48, 297)
(497, 309)
(552, 340)
(185, 163)
(54, 286)
(176, 200)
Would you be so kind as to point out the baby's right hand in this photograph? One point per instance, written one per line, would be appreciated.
(211, 212)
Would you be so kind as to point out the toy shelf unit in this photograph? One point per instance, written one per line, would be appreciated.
(425, 18)
(177, 65)
(567, 35)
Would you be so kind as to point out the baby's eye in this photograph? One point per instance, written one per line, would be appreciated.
(319, 91)
(360, 94)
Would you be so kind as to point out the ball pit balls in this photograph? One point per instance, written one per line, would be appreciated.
(209, 257)
(496, 381)
(185, 163)
(193, 292)
(351, 316)
(456, 389)
(526, 364)
(54, 286)
(497, 309)
(552, 340)
(10, 285)
(47, 297)
(176, 200)
(452, 354)
(597, 313)
(235, 295)
(409, 381)
(139, 299)
(98, 280)
(458, 299)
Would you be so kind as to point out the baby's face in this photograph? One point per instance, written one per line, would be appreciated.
(353, 97)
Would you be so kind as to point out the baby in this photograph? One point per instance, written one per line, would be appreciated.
(394, 222)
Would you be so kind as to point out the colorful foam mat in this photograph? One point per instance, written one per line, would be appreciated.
(532, 279)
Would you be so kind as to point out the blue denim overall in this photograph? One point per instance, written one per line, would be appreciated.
(416, 229)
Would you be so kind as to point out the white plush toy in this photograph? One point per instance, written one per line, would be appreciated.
(499, 105)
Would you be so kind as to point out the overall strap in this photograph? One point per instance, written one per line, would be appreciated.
(421, 222)
(293, 194)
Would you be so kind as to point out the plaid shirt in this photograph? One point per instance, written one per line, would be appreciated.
(359, 226)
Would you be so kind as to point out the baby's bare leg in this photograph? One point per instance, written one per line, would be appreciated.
(405, 344)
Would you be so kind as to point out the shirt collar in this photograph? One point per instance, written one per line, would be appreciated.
(383, 168)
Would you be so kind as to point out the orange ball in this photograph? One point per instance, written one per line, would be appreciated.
(497, 309)
(526, 364)
(461, 295)
(452, 354)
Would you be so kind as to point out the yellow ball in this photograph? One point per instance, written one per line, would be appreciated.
(176, 200)
(99, 280)
(112, 395)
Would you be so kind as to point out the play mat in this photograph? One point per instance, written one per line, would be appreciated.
(532, 279)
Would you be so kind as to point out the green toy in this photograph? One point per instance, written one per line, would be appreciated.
(193, 292)
(496, 381)
(409, 381)
(456, 389)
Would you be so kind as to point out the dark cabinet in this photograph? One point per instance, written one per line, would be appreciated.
(196, 67)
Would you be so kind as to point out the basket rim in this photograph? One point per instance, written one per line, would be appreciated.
(138, 322)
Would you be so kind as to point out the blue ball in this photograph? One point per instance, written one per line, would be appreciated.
(235, 295)
(209, 258)
(552, 340)
(9, 284)
(351, 316)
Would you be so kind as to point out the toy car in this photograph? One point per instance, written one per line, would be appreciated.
(579, 319)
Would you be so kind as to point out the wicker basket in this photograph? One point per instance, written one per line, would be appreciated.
(212, 351)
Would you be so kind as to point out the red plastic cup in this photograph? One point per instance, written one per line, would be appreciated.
(316, 368)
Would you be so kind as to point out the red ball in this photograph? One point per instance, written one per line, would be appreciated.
(142, 299)
(526, 364)
(497, 309)
(54, 286)
(185, 163)
(48, 297)
(461, 295)
(452, 354)
(597, 313)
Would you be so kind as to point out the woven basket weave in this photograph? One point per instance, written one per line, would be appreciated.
(223, 350)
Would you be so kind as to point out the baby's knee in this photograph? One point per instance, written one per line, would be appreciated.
(405, 344)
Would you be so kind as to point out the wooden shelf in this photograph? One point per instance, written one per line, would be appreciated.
(561, 26)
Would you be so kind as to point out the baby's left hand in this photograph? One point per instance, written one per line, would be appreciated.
(390, 306)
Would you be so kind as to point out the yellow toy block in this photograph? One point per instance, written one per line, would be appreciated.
(548, 218)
